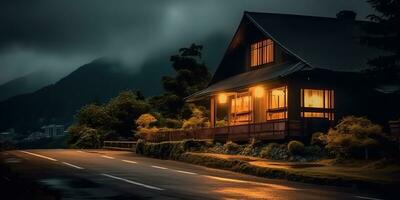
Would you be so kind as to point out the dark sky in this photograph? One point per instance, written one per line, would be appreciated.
(64, 34)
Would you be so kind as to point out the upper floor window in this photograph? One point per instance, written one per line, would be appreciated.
(262, 53)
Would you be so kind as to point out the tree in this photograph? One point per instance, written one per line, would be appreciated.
(191, 76)
(384, 34)
(123, 110)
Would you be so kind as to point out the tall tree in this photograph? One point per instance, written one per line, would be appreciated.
(191, 76)
(385, 34)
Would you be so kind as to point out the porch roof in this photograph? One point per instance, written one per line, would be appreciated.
(250, 78)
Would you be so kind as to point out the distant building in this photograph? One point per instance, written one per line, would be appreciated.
(54, 130)
(36, 136)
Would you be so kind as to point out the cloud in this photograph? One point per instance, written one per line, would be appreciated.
(61, 35)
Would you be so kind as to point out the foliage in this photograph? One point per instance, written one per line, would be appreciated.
(355, 136)
(231, 147)
(197, 120)
(85, 137)
(221, 123)
(123, 110)
(384, 34)
(94, 123)
(318, 138)
(191, 76)
(145, 120)
(295, 147)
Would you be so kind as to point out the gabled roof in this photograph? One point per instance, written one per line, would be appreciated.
(321, 42)
(251, 78)
(316, 42)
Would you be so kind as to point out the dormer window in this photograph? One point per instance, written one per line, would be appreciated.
(261, 53)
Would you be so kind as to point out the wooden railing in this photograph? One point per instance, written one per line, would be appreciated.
(271, 130)
(120, 145)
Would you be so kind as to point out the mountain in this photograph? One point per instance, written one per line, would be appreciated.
(97, 81)
(26, 84)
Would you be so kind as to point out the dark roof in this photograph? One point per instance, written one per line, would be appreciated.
(251, 78)
(317, 42)
(321, 42)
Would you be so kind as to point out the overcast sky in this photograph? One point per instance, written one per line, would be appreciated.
(61, 35)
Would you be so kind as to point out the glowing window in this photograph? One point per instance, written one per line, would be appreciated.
(261, 53)
(278, 98)
(277, 103)
(241, 104)
(317, 98)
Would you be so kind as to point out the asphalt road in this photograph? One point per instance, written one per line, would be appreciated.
(76, 174)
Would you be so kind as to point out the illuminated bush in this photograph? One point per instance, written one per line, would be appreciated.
(145, 120)
(355, 137)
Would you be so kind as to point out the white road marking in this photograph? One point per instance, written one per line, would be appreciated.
(38, 155)
(129, 161)
(158, 167)
(133, 182)
(369, 198)
(185, 172)
(71, 165)
(109, 157)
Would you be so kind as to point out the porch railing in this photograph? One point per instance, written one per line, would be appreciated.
(271, 130)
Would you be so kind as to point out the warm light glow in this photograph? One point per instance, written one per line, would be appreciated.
(222, 98)
(258, 91)
(262, 53)
(278, 98)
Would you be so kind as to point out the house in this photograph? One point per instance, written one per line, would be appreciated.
(287, 76)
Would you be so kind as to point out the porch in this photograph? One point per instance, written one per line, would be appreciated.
(270, 130)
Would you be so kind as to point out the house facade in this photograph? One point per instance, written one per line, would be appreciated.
(287, 76)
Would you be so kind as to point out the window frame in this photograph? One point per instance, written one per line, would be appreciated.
(282, 110)
(261, 64)
(328, 101)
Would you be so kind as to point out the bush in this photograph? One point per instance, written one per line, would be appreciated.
(231, 147)
(318, 138)
(295, 147)
(196, 121)
(145, 120)
(221, 123)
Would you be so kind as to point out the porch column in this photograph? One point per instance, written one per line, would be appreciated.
(212, 112)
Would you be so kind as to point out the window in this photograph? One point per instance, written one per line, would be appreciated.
(277, 103)
(240, 104)
(241, 108)
(261, 53)
(317, 103)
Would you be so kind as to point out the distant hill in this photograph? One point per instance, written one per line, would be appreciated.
(26, 84)
(97, 81)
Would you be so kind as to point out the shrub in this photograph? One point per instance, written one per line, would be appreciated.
(318, 138)
(266, 151)
(221, 123)
(355, 137)
(295, 147)
(145, 120)
(196, 121)
(193, 145)
(231, 147)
